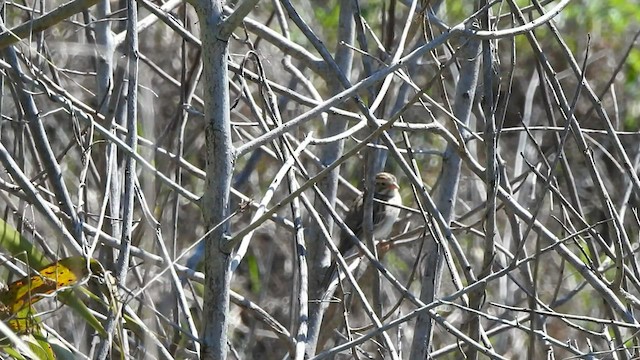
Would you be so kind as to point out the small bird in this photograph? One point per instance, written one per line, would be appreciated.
(386, 190)
(384, 216)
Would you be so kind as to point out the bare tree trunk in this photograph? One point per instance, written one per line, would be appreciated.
(446, 197)
(318, 252)
(215, 32)
(122, 266)
(219, 169)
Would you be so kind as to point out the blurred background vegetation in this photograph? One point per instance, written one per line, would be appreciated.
(168, 124)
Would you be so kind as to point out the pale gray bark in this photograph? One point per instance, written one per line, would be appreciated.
(445, 199)
(219, 169)
(319, 255)
(562, 235)
(214, 33)
(44, 22)
(122, 266)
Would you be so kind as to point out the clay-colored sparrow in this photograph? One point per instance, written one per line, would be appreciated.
(386, 190)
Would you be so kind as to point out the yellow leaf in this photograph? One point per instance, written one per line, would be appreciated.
(23, 293)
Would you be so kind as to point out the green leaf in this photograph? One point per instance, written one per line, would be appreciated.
(254, 274)
(15, 244)
(39, 346)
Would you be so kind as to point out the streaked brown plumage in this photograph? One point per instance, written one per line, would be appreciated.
(386, 189)
(384, 216)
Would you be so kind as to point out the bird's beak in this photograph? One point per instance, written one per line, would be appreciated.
(394, 185)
